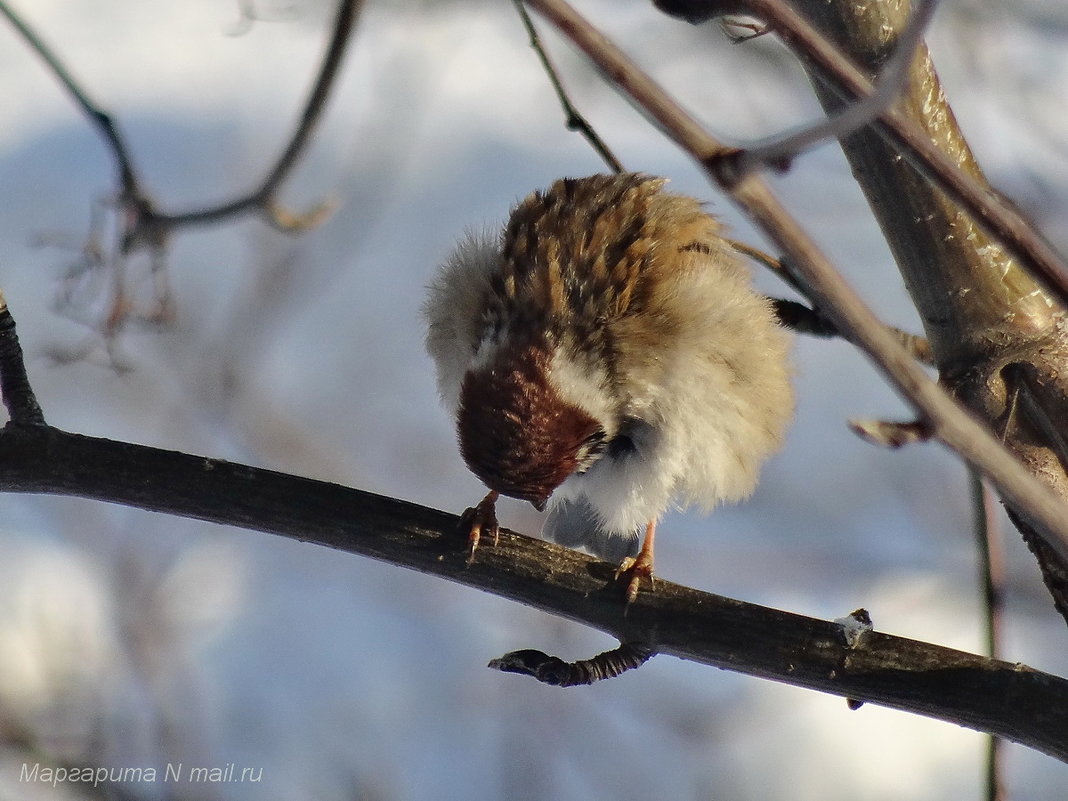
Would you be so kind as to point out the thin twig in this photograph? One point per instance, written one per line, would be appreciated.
(574, 120)
(991, 560)
(100, 119)
(778, 151)
(830, 292)
(262, 197)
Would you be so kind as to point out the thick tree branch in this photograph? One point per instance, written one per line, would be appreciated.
(998, 337)
(1012, 701)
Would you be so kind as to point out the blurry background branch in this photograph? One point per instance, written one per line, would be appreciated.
(1013, 701)
(142, 224)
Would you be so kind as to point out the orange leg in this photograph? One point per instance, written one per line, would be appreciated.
(478, 519)
(635, 567)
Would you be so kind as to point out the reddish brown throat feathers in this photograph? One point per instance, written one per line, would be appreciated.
(516, 433)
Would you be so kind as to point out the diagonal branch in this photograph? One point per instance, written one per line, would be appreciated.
(988, 208)
(950, 422)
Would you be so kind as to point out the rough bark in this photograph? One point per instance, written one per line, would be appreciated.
(998, 338)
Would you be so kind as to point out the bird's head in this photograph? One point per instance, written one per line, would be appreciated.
(517, 433)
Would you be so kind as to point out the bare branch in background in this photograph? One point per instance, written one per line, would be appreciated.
(142, 224)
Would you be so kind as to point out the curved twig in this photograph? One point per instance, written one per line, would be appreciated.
(778, 151)
(262, 196)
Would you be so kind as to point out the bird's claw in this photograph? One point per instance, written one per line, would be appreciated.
(478, 520)
(634, 568)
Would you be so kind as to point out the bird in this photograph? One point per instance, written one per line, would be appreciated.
(605, 357)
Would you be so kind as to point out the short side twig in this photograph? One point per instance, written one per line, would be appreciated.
(805, 320)
(555, 671)
(778, 151)
(891, 433)
(21, 403)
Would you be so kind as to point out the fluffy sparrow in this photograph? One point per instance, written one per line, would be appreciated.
(605, 355)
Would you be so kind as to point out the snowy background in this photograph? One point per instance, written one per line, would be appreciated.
(132, 639)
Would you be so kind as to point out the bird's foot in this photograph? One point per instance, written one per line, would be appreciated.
(634, 569)
(479, 520)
